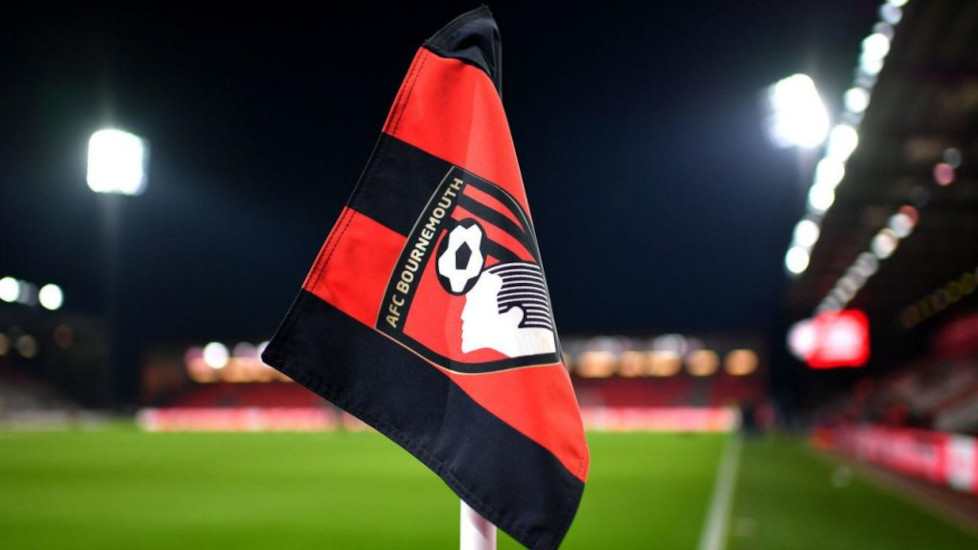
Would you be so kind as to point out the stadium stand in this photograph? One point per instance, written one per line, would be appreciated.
(938, 394)
(675, 391)
(270, 394)
(20, 395)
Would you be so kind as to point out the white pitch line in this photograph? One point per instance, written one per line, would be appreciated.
(714, 534)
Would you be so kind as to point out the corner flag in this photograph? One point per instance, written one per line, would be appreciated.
(426, 313)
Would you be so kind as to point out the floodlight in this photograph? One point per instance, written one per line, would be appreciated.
(870, 66)
(843, 140)
(796, 260)
(9, 289)
(884, 243)
(797, 116)
(806, 233)
(51, 296)
(876, 46)
(901, 224)
(891, 14)
(117, 162)
(821, 197)
(856, 99)
(829, 172)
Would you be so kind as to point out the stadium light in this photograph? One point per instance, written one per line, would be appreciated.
(117, 166)
(117, 162)
(51, 296)
(821, 197)
(830, 171)
(216, 355)
(856, 99)
(797, 116)
(796, 260)
(902, 224)
(884, 243)
(9, 289)
(843, 140)
(806, 233)
(876, 46)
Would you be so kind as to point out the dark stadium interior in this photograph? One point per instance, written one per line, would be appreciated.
(700, 271)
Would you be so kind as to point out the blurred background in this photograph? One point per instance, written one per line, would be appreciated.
(759, 220)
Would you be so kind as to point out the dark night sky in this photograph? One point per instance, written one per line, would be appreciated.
(658, 202)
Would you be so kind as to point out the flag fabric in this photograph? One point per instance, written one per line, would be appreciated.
(426, 313)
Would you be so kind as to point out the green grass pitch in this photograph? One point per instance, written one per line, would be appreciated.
(125, 489)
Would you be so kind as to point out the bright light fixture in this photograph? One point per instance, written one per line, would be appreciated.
(796, 260)
(884, 244)
(891, 14)
(870, 65)
(117, 162)
(806, 233)
(9, 289)
(843, 140)
(856, 99)
(798, 117)
(821, 197)
(51, 296)
(901, 224)
(876, 46)
(829, 172)
(216, 355)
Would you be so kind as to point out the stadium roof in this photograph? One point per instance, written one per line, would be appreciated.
(924, 106)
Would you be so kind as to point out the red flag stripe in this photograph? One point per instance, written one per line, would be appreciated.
(352, 271)
(491, 202)
(467, 128)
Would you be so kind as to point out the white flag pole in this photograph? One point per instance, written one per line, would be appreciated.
(476, 532)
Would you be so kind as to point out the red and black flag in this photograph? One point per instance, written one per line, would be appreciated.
(426, 313)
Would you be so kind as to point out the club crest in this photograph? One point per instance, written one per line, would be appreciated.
(468, 292)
